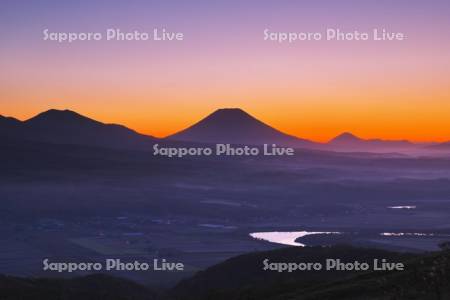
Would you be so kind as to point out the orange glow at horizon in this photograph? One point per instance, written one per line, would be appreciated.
(316, 106)
(314, 90)
(401, 119)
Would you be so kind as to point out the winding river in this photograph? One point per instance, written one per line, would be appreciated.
(286, 237)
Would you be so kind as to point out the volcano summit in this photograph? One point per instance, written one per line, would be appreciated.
(235, 126)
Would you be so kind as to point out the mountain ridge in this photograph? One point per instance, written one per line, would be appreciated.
(348, 141)
(350, 137)
(69, 127)
(225, 125)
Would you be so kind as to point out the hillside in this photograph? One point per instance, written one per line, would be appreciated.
(68, 127)
(425, 277)
(93, 287)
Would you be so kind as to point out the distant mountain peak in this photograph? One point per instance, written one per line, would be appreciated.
(230, 114)
(347, 134)
(60, 116)
(345, 137)
(59, 112)
(54, 110)
(230, 109)
(349, 142)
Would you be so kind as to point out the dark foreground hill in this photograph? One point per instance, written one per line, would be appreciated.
(93, 287)
(425, 277)
(243, 277)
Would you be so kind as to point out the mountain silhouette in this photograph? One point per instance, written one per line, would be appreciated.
(69, 127)
(54, 116)
(8, 122)
(235, 126)
(349, 142)
(228, 125)
(9, 126)
(345, 138)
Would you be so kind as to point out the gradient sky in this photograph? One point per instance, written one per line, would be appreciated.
(314, 90)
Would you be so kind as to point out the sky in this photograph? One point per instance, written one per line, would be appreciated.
(311, 89)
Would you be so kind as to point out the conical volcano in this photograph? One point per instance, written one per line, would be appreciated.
(345, 139)
(235, 126)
